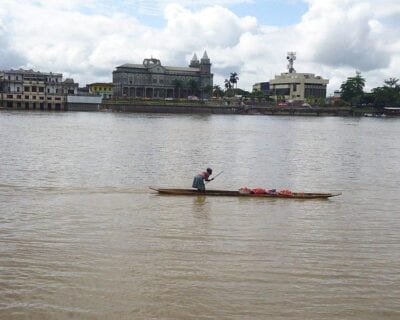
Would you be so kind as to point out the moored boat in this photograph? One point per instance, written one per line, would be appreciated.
(233, 193)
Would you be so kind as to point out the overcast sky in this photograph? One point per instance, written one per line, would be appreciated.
(86, 40)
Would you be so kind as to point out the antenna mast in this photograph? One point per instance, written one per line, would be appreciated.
(291, 56)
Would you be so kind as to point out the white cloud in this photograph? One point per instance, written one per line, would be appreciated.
(333, 39)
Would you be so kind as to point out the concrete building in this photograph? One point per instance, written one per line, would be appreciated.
(297, 86)
(153, 80)
(262, 87)
(100, 88)
(28, 89)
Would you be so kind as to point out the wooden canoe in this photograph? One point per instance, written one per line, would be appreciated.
(231, 193)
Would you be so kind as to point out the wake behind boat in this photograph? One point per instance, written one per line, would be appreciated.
(247, 193)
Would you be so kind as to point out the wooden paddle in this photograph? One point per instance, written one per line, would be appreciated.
(215, 176)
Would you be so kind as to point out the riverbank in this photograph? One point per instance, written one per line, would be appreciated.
(215, 108)
(218, 107)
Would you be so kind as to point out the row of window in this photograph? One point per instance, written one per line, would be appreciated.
(103, 89)
(33, 105)
(35, 79)
(18, 96)
(34, 89)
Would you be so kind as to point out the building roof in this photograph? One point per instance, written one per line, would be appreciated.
(101, 84)
(30, 71)
(168, 68)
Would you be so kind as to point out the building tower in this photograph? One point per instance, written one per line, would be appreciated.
(194, 63)
(291, 56)
(205, 64)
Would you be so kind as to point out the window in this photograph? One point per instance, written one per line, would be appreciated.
(34, 97)
(41, 89)
(26, 89)
(18, 96)
(48, 90)
(18, 88)
(9, 96)
(26, 97)
(34, 89)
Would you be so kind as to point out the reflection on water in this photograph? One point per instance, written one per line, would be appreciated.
(82, 236)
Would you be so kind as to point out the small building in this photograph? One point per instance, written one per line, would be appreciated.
(81, 102)
(152, 80)
(297, 86)
(30, 90)
(101, 88)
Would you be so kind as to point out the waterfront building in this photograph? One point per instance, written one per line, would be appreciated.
(297, 86)
(154, 81)
(28, 89)
(261, 87)
(100, 88)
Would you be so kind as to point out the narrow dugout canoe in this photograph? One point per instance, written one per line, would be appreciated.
(231, 193)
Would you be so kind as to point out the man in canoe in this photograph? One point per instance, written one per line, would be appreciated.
(198, 181)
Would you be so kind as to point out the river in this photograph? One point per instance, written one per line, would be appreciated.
(82, 236)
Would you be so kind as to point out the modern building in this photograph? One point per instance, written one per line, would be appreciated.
(103, 89)
(153, 80)
(297, 86)
(28, 89)
(262, 87)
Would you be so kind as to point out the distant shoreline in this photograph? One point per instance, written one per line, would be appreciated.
(212, 108)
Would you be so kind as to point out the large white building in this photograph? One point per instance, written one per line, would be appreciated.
(297, 86)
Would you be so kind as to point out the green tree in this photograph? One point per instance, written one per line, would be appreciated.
(208, 91)
(228, 85)
(194, 87)
(388, 95)
(178, 84)
(392, 83)
(258, 94)
(217, 92)
(352, 90)
(233, 78)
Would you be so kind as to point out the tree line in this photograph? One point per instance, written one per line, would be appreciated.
(388, 95)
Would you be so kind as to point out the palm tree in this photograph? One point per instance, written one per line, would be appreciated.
(391, 82)
(234, 79)
(217, 91)
(228, 84)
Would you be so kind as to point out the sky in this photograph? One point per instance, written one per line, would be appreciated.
(87, 40)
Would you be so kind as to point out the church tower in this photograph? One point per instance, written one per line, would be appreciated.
(194, 63)
(205, 64)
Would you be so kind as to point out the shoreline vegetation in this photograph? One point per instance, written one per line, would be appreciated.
(222, 106)
(231, 107)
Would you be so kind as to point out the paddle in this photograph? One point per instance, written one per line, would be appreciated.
(215, 176)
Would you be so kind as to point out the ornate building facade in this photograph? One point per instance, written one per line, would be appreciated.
(152, 80)
(28, 89)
